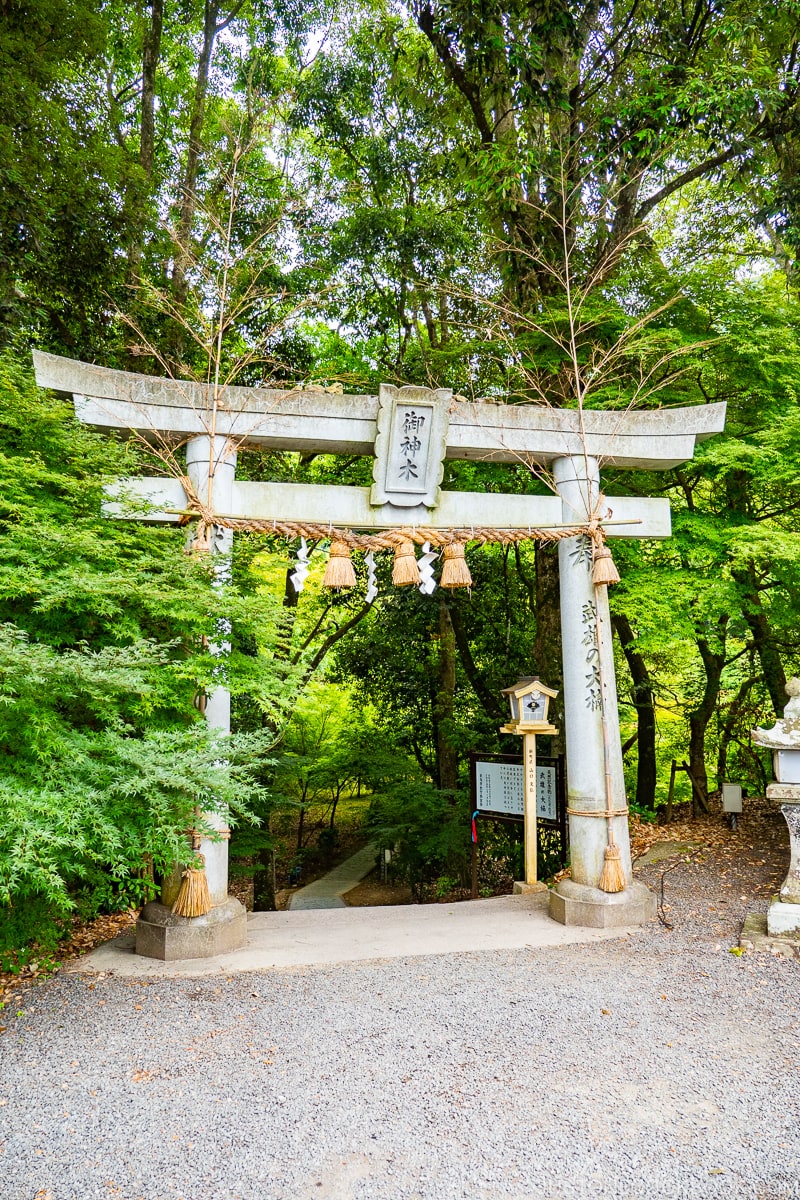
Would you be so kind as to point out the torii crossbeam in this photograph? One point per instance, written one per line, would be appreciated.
(409, 432)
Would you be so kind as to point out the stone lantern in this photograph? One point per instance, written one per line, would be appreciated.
(783, 740)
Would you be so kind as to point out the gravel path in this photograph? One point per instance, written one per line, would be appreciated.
(658, 1065)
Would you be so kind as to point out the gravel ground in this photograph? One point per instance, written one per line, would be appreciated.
(658, 1065)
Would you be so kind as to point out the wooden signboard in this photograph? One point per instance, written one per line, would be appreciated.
(498, 788)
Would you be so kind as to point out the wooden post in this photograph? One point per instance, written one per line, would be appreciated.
(531, 839)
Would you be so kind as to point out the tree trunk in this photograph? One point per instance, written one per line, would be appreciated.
(726, 736)
(140, 188)
(763, 640)
(151, 53)
(446, 756)
(645, 713)
(699, 717)
(263, 883)
(187, 206)
(490, 703)
(301, 822)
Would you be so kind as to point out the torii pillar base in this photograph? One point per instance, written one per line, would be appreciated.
(579, 904)
(161, 935)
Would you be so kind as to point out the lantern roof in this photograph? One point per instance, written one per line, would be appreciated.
(528, 684)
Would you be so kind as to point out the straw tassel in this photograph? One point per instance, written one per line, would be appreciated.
(339, 573)
(194, 898)
(201, 541)
(455, 572)
(604, 569)
(612, 878)
(406, 570)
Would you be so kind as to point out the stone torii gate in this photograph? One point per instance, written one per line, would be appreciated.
(410, 431)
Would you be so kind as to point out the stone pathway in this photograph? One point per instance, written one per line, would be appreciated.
(281, 940)
(328, 891)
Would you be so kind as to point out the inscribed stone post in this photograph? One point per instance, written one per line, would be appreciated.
(588, 660)
(210, 466)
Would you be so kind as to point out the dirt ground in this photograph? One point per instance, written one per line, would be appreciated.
(689, 853)
(372, 892)
(750, 861)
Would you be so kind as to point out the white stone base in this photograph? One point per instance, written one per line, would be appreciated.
(578, 904)
(160, 934)
(783, 918)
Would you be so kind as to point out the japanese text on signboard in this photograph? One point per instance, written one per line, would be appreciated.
(500, 788)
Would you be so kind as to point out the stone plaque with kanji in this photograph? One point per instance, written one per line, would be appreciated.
(410, 445)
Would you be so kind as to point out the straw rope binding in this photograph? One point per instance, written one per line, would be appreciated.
(406, 568)
(389, 539)
(455, 572)
(340, 573)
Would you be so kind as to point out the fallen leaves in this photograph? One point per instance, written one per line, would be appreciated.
(83, 936)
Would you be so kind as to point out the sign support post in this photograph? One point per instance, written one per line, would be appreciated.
(531, 837)
(529, 700)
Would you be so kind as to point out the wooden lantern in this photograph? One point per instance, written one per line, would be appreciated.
(529, 700)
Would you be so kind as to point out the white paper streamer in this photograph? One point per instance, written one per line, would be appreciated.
(425, 564)
(372, 585)
(301, 567)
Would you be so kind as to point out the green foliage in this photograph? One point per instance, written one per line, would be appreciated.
(332, 747)
(86, 798)
(103, 757)
(67, 574)
(427, 831)
(61, 173)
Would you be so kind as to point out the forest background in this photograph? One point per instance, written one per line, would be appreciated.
(589, 203)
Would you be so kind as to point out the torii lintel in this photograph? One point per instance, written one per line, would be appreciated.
(318, 422)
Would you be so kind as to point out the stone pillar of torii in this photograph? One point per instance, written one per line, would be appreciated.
(409, 432)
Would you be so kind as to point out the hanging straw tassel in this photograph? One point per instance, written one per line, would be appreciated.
(201, 542)
(455, 572)
(194, 898)
(339, 573)
(612, 878)
(604, 569)
(406, 570)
